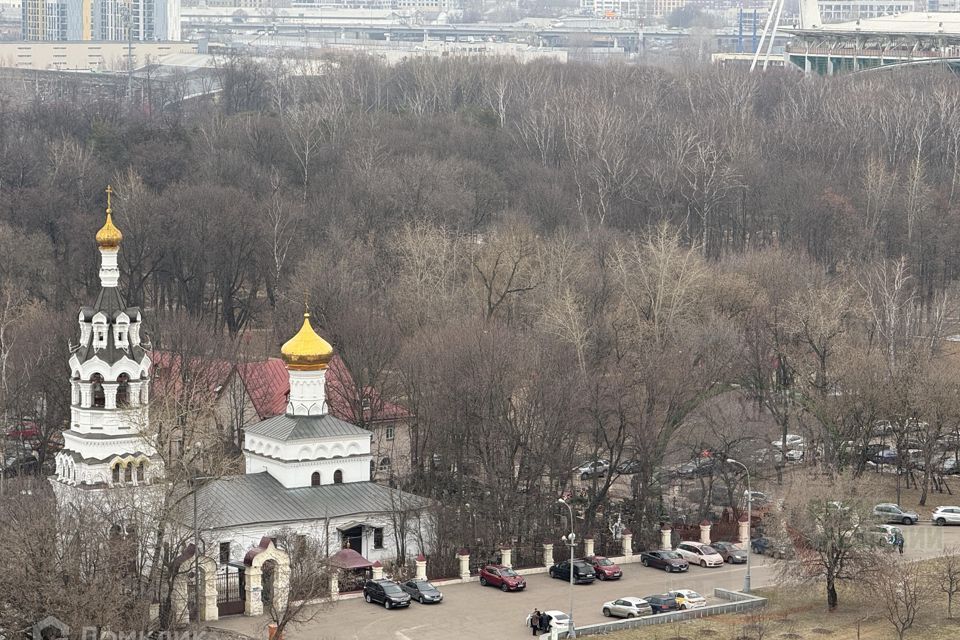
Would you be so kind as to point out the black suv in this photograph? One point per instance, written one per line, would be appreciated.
(385, 592)
(583, 573)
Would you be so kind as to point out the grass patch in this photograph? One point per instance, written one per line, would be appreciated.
(801, 614)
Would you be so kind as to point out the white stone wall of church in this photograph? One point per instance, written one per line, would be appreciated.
(308, 393)
(300, 474)
(242, 539)
(333, 447)
(103, 449)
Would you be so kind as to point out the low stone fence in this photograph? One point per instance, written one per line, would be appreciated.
(737, 602)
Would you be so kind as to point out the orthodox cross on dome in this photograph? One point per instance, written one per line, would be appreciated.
(109, 237)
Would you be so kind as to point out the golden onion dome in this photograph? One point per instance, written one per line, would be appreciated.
(306, 351)
(109, 236)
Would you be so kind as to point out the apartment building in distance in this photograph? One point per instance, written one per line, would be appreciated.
(100, 20)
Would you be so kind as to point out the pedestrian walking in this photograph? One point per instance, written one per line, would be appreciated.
(535, 622)
(899, 543)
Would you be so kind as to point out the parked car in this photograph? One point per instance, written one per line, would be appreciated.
(889, 512)
(385, 592)
(793, 442)
(627, 608)
(768, 547)
(504, 577)
(664, 559)
(881, 428)
(730, 552)
(629, 467)
(18, 461)
(687, 599)
(885, 456)
(604, 568)
(695, 468)
(595, 469)
(555, 620)
(945, 515)
(422, 591)
(949, 467)
(583, 573)
(699, 553)
(792, 455)
(885, 534)
(662, 603)
(758, 498)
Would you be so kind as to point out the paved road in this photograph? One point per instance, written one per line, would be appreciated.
(484, 612)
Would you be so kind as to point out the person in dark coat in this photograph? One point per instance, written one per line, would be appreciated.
(899, 542)
(544, 623)
(535, 622)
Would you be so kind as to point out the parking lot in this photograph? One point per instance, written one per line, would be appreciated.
(485, 612)
(472, 611)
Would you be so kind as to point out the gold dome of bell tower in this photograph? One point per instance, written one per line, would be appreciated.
(306, 351)
(109, 236)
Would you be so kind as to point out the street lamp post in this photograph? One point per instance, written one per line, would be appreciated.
(571, 541)
(746, 578)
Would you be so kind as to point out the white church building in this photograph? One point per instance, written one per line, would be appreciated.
(306, 471)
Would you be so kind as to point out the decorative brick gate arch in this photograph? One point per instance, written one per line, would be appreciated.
(265, 552)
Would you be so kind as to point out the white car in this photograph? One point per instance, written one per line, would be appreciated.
(558, 619)
(627, 608)
(700, 554)
(793, 455)
(793, 442)
(595, 469)
(945, 515)
(687, 599)
(757, 497)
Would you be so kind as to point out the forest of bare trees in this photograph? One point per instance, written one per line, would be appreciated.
(545, 263)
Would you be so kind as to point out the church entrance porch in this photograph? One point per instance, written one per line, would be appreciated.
(352, 570)
(352, 538)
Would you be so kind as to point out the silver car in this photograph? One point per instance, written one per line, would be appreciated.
(627, 608)
(888, 512)
(946, 515)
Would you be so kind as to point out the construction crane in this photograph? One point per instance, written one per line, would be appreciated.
(809, 19)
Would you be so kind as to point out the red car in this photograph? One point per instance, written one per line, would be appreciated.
(605, 568)
(504, 577)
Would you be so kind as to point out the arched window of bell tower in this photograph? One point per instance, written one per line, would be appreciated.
(123, 390)
(128, 472)
(116, 473)
(96, 383)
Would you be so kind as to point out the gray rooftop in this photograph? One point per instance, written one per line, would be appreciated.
(286, 428)
(258, 498)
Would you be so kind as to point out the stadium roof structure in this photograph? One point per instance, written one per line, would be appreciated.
(911, 24)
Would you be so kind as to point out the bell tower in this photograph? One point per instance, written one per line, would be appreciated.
(108, 444)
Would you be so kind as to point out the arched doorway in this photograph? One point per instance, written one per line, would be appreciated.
(268, 575)
(352, 538)
(255, 561)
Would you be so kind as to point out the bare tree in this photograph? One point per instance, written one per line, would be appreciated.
(947, 572)
(901, 594)
(308, 581)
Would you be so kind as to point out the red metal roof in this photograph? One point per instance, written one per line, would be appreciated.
(349, 559)
(268, 385)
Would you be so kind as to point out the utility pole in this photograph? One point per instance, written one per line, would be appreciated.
(746, 578)
(571, 541)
